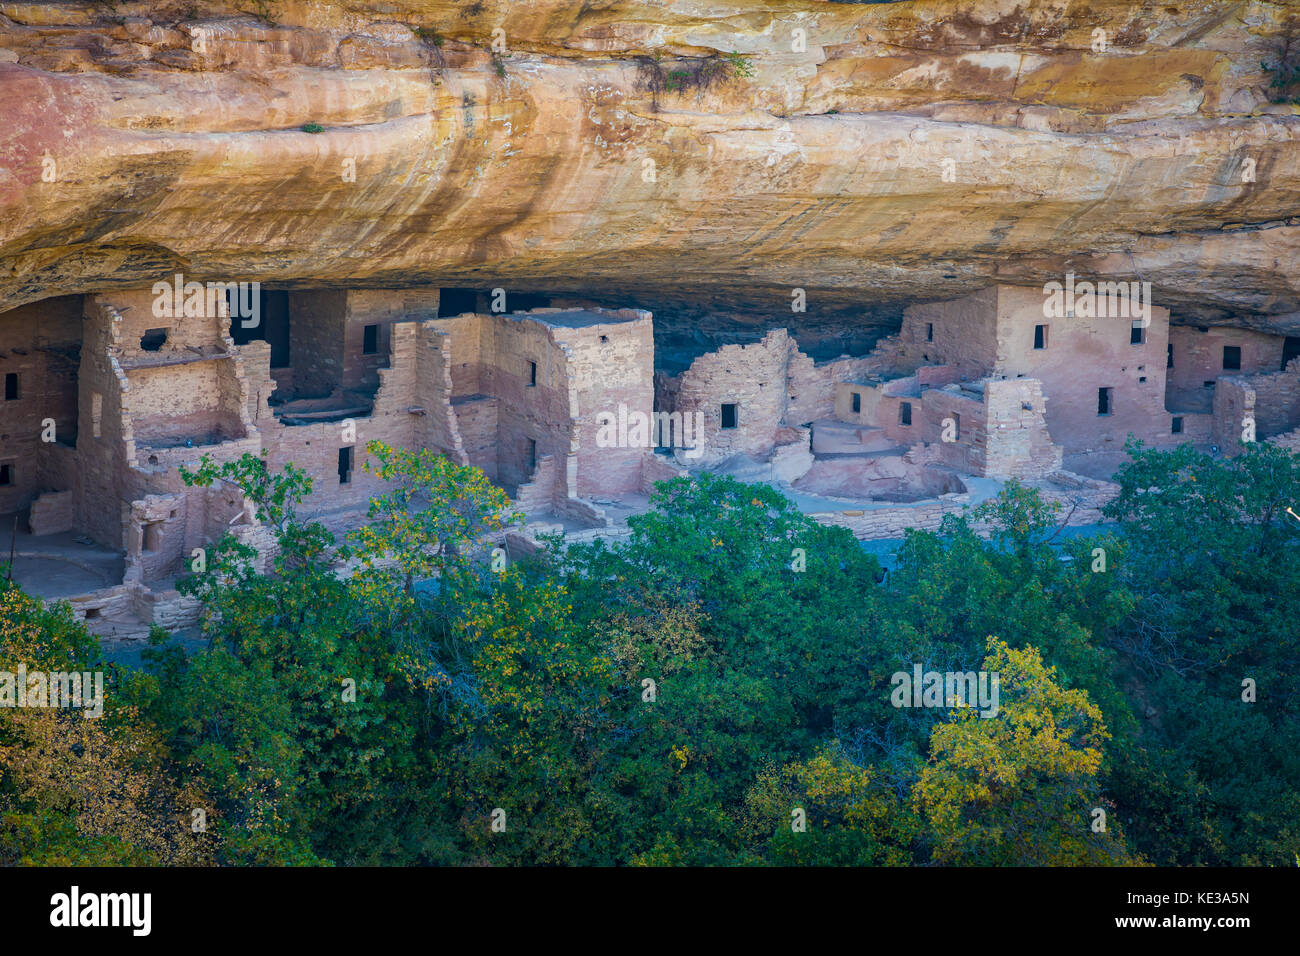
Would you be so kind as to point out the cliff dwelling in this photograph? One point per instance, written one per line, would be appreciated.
(564, 408)
(587, 249)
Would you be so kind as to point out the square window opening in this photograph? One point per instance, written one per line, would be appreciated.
(1137, 335)
(729, 416)
(1232, 357)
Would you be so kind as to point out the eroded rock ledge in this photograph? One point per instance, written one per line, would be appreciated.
(910, 151)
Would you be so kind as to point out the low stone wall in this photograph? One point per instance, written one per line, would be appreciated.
(1081, 505)
(111, 614)
(1288, 440)
(658, 468)
(53, 513)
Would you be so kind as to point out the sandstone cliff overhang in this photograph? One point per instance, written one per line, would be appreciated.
(877, 153)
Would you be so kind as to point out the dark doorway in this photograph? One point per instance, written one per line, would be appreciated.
(1290, 350)
(729, 416)
(1231, 357)
(456, 301)
(1104, 401)
(345, 465)
(272, 327)
(525, 301)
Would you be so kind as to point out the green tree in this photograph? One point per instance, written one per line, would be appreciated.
(1020, 787)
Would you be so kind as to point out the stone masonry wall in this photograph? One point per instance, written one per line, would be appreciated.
(752, 377)
(609, 364)
(1272, 401)
(38, 345)
(1198, 358)
(1017, 443)
(317, 341)
(960, 332)
(1082, 356)
(1082, 506)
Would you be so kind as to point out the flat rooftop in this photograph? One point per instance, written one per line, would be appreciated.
(581, 318)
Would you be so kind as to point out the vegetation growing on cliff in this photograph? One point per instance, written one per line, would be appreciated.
(1284, 67)
(691, 695)
(657, 75)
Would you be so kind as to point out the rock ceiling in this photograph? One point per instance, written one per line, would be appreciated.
(878, 153)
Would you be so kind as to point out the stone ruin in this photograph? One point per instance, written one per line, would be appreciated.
(106, 394)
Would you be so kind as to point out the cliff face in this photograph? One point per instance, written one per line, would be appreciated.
(912, 150)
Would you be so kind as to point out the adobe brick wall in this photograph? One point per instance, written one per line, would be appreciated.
(53, 512)
(490, 357)
(381, 307)
(1277, 400)
(105, 439)
(477, 422)
(608, 364)
(754, 378)
(196, 401)
(1288, 440)
(438, 428)
(964, 333)
(38, 343)
(1272, 400)
(539, 495)
(1198, 358)
(317, 341)
(968, 452)
(1083, 355)
(814, 390)
(584, 366)
(1016, 439)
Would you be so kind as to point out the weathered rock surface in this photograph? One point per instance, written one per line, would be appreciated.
(913, 150)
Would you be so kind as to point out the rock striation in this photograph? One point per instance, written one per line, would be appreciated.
(866, 153)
